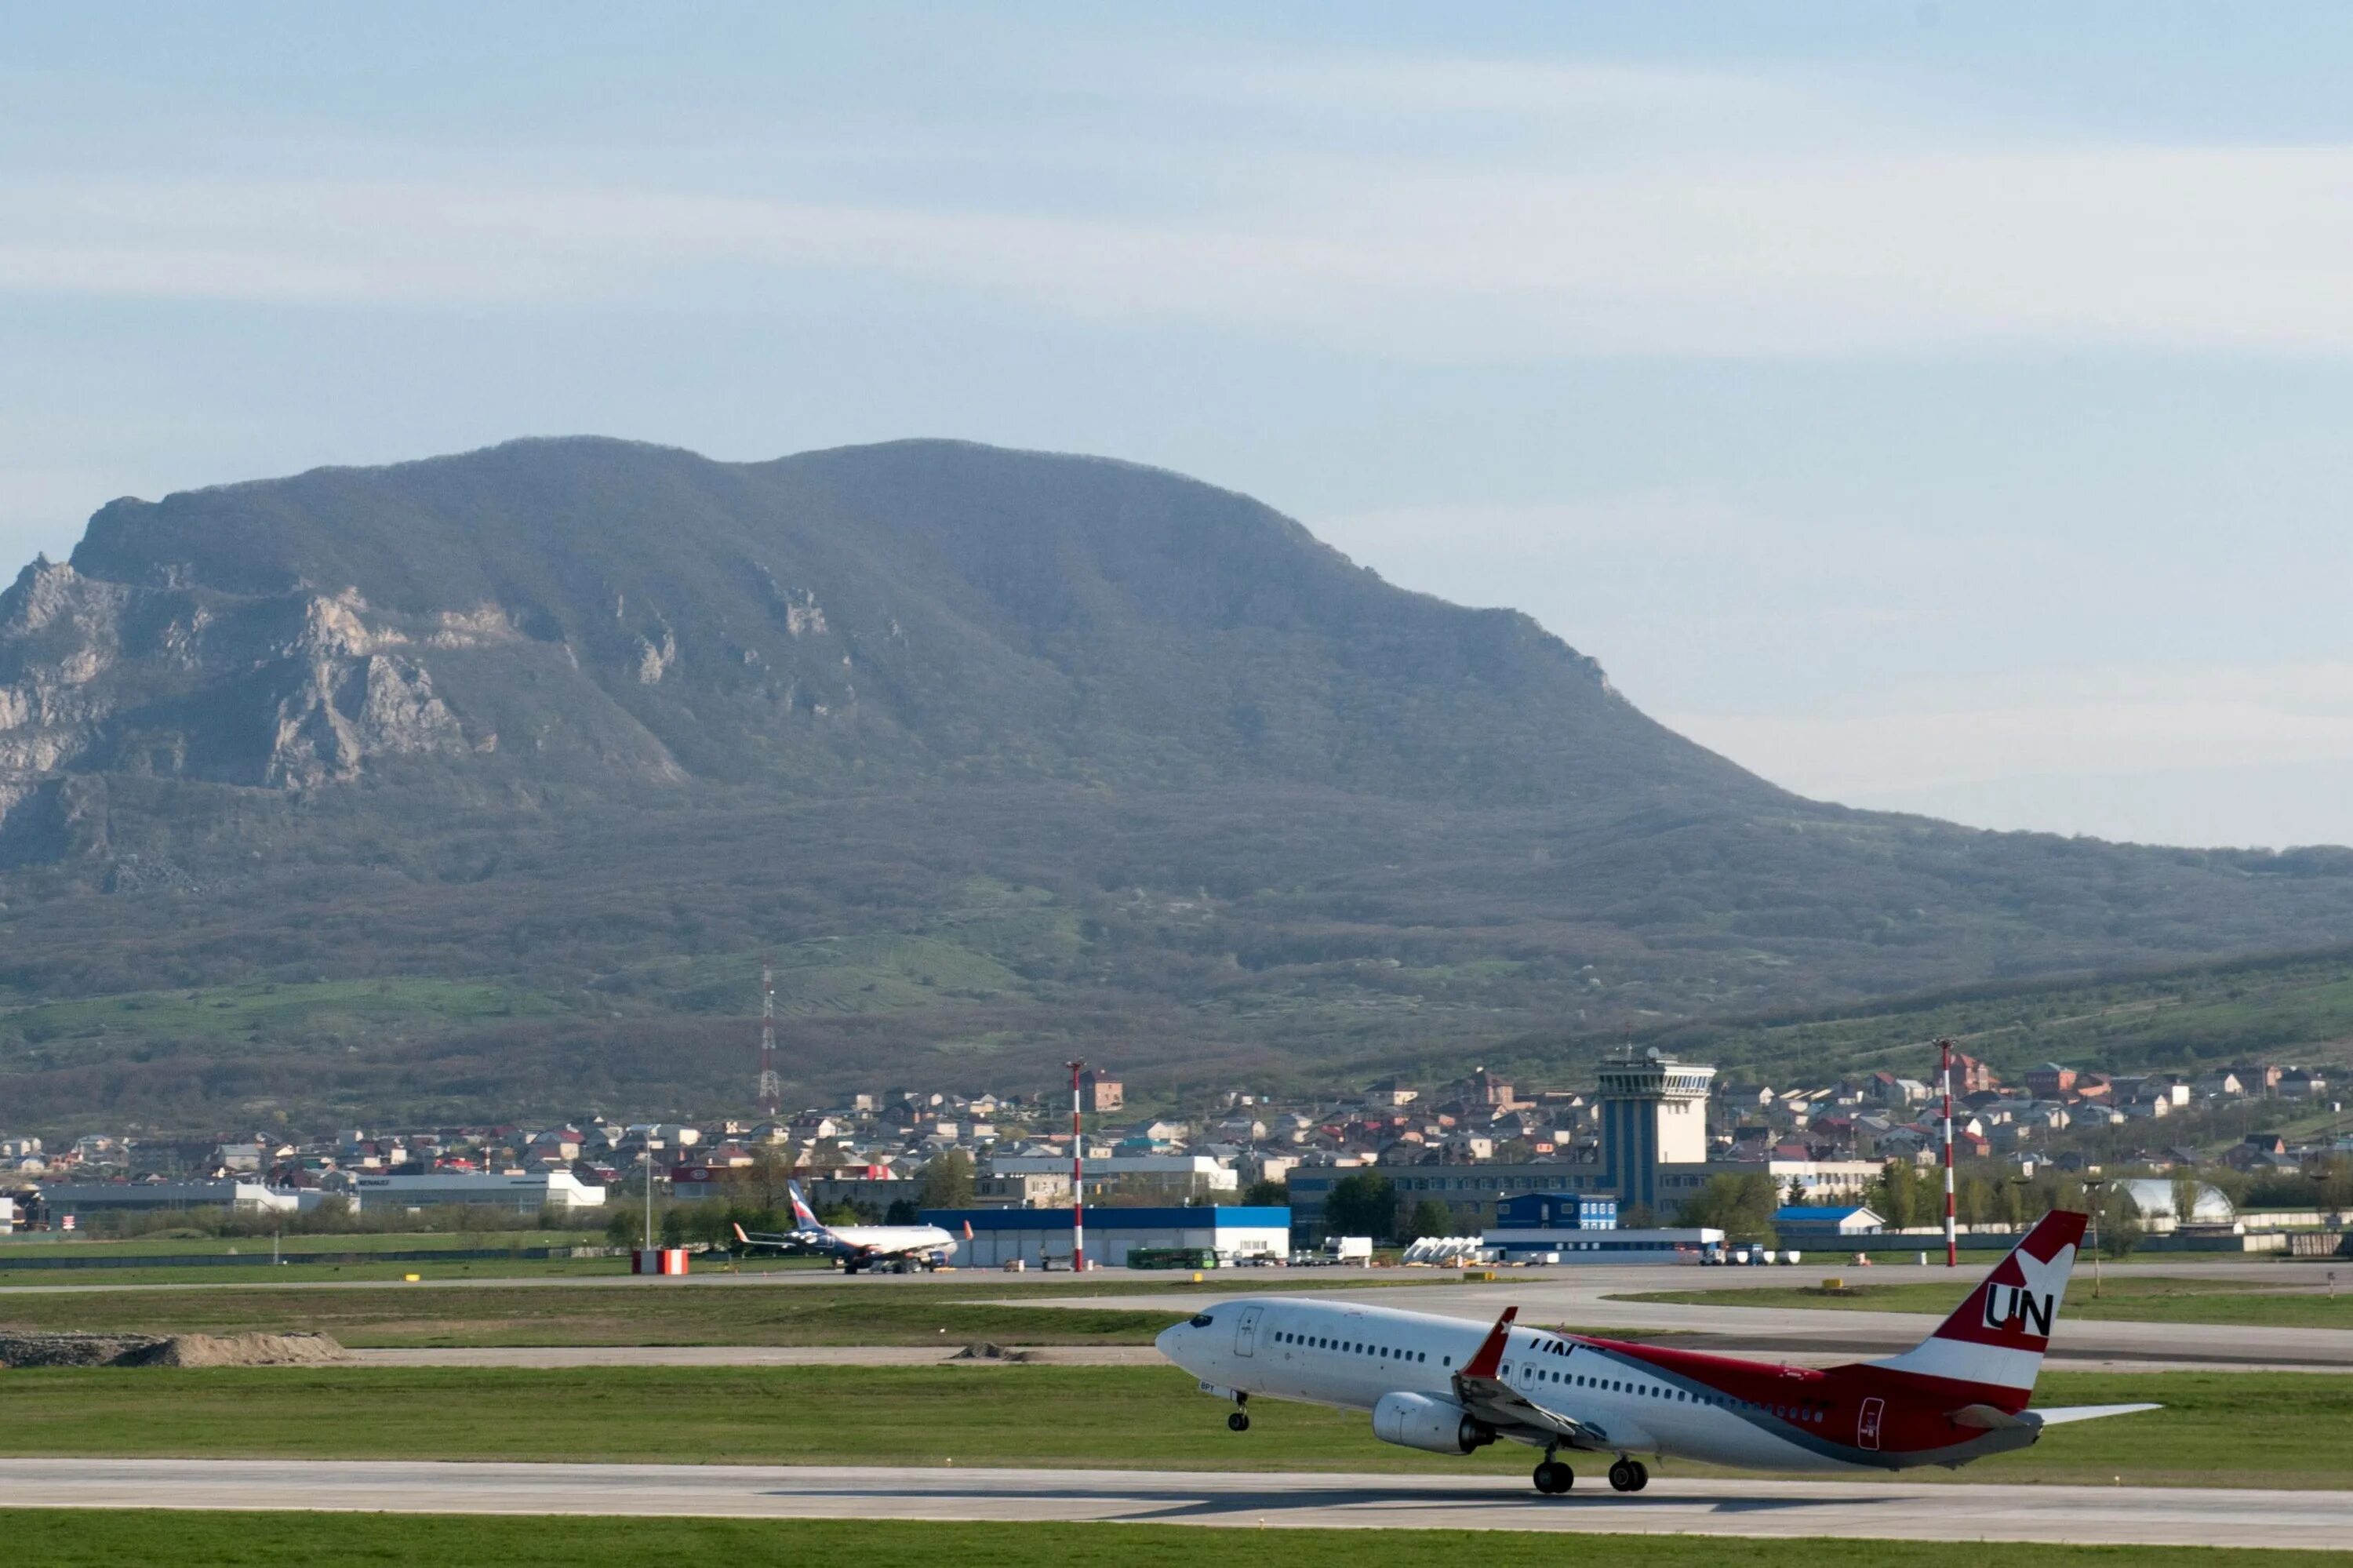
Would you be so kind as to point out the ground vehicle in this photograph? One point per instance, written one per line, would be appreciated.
(1172, 1258)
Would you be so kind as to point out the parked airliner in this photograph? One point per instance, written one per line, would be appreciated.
(870, 1248)
(1451, 1386)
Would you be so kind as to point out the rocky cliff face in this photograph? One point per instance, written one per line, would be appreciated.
(597, 615)
(283, 691)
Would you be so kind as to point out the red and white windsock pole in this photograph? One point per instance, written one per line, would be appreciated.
(1952, 1237)
(1078, 1177)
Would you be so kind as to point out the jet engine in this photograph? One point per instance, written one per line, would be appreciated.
(1419, 1421)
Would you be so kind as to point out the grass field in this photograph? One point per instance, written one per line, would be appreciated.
(2280, 1430)
(196, 1244)
(262, 1276)
(65, 1539)
(297, 1256)
(2135, 1300)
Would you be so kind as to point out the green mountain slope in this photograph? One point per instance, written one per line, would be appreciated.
(998, 754)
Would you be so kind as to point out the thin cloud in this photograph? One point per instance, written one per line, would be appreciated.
(1651, 213)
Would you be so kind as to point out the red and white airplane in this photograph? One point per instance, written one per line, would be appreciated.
(874, 1248)
(1448, 1386)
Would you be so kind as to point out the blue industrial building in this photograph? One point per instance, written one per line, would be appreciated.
(1557, 1212)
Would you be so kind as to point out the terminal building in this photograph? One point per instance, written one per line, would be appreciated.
(991, 1238)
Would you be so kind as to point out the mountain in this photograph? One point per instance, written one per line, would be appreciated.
(493, 779)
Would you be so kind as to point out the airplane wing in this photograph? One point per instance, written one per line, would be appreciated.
(787, 1240)
(1480, 1389)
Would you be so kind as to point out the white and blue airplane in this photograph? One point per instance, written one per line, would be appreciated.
(875, 1249)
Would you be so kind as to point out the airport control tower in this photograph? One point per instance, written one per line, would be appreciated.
(1653, 1113)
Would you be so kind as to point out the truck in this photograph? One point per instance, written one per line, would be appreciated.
(1172, 1258)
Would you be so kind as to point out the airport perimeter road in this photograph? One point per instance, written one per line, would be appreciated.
(1866, 1510)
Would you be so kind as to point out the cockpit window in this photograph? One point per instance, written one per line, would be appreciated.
(1201, 1320)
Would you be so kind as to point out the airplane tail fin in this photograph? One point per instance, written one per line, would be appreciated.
(741, 1236)
(803, 1215)
(1995, 1339)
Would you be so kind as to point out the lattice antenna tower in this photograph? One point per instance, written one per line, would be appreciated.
(772, 1087)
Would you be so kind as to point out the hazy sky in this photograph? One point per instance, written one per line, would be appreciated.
(1946, 407)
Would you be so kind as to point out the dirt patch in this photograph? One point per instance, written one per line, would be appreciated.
(21, 1350)
(986, 1352)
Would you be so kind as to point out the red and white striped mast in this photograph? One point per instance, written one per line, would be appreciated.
(770, 1094)
(1952, 1240)
(1078, 1177)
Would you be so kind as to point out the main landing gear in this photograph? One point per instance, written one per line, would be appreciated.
(1239, 1420)
(1630, 1475)
(1553, 1477)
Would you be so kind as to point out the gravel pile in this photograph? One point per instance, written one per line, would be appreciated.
(23, 1349)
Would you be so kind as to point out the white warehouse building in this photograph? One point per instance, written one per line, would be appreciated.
(991, 1238)
(525, 1194)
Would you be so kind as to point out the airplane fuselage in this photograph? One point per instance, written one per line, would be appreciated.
(893, 1241)
(1624, 1398)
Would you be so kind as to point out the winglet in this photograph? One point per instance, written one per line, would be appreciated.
(1490, 1356)
(741, 1236)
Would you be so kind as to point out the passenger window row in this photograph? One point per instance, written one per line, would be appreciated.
(1351, 1347)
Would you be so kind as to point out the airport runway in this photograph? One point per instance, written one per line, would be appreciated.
(1855, 1510)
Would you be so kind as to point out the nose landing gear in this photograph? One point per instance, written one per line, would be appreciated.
(1239, 1420)
(1630, 1475)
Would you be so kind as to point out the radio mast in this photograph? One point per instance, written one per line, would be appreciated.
(771, 1094)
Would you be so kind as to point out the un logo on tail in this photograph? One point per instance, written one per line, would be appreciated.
(2015, 1307)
